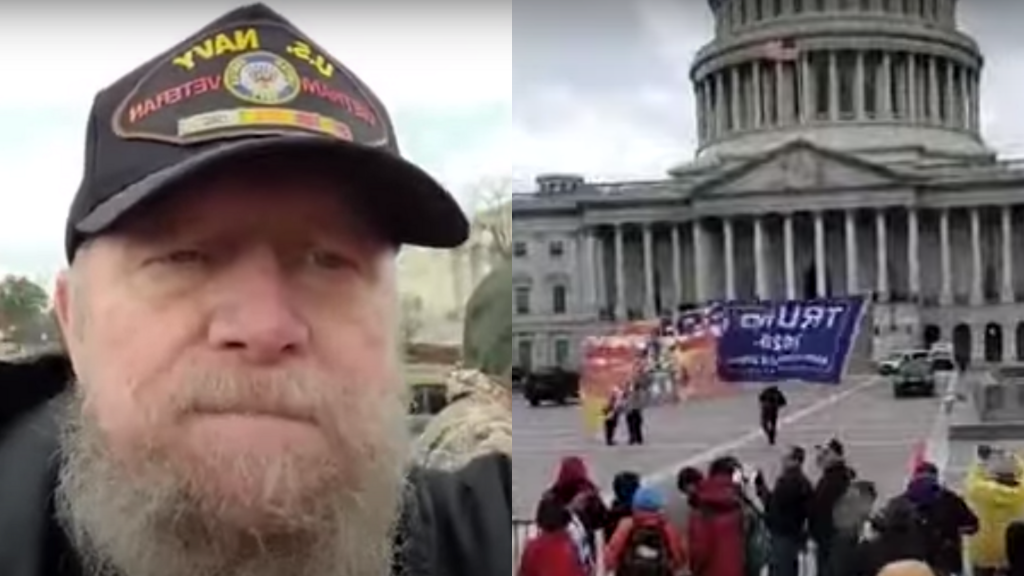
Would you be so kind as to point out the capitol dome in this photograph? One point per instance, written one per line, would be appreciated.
(861, 76)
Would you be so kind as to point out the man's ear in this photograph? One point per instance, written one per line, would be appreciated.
(62, 305)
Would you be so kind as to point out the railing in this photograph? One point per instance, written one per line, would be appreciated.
(522, 531)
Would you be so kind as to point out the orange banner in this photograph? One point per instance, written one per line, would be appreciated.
(611, 362)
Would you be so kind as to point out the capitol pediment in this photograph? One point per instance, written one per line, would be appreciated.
(798, 166)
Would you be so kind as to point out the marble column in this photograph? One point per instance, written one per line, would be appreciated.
(882, 256)
(587, 272)
(913, 253)
(945, 260)
(735, 105)
(852, 256)
(860, 87)
(789, 255)
(884, 101)
(729, 241)
(820, 263)
(783, 104)
(677, 266)
(977, 268)
(648, 241)
(965, 100)
(700, 262)
(721, 118)
(760, 266)
(806, 88)
(1006, 217)
(833, 85)
(912, 88)
(620, 273)
(950, 95)
(757, 92)
(934, 114)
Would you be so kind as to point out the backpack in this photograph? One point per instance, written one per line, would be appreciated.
(646, 553)
(756, 539)
(917, 530)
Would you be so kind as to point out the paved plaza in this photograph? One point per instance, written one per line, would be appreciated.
(880, 434)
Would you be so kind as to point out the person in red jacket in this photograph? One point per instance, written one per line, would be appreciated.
(716, 537)
(552, 552)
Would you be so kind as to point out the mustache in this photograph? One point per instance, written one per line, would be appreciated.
(291, 395)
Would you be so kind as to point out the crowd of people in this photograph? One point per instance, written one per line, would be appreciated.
(728, 520)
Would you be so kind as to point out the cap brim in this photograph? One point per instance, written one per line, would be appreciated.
(411, 206)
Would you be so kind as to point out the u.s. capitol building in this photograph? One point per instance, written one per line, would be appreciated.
(840, 153)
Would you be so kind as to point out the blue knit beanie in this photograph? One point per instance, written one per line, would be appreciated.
(648, 499)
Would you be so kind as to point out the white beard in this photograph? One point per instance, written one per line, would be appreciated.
(149, 523)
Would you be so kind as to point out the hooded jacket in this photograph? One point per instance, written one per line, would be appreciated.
(997, 505)
(457, 523)
(715, 532)
(948, 518)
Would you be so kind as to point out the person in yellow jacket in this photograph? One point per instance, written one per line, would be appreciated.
(994, 489)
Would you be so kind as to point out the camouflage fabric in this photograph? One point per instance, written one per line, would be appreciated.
(478, 421)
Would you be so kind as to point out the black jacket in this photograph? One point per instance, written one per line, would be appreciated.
(771, 400)
(834, 482)
(459, 524)
(789, 504)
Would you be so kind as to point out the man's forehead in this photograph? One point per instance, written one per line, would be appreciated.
(246, 198)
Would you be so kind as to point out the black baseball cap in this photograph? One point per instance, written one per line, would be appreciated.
(250, 84)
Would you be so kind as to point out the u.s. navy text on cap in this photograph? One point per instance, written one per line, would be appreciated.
(249, 79)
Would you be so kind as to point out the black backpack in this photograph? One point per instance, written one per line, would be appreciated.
(646, 553)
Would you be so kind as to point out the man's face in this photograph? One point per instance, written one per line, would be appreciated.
(239, 382)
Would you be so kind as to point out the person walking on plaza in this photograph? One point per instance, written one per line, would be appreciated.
(637, 394)
(786, 512)
(612, 413)
(635, 401)
(235, 401)
(771, 401)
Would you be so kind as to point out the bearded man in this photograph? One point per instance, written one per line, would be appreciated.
(231, 403)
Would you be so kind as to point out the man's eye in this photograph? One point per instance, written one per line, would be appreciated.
(184, 257)
(329, 260)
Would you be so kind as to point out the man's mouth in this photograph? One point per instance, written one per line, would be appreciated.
(249, 412)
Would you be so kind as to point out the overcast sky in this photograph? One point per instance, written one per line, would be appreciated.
(478, 88)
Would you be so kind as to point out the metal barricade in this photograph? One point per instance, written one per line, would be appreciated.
(522, 531)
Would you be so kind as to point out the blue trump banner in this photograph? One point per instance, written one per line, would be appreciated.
(805, 340)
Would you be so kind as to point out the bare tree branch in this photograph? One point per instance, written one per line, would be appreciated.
(412, 317)
(489, 203)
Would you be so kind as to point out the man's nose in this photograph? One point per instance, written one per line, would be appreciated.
(255, 315)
